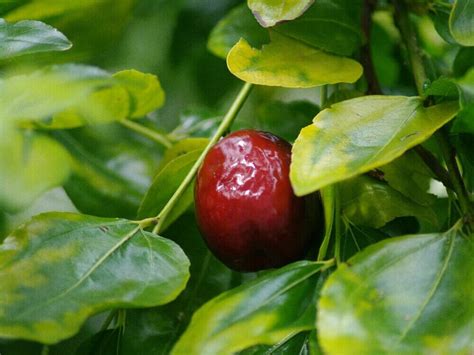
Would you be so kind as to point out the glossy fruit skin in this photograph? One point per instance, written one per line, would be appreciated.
(245, 206)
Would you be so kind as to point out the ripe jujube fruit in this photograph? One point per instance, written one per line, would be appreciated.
(245, 206)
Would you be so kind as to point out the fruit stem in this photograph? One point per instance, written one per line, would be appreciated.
(147, 132)
(415, 56)
(223, 127)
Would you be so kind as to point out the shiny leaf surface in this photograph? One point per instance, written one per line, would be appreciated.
(262, 311)
(402, 295)
(289, 63)
(27, 37)
(60, 268)
(355, 136)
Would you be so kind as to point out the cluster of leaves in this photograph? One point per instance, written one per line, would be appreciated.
(394, 269)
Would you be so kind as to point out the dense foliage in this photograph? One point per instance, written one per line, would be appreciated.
(107, 110)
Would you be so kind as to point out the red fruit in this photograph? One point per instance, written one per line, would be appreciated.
(245, 206)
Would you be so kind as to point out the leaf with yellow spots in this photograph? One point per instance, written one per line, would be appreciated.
(405, 295)
(61, 268)
(290, 63)
(355, 136)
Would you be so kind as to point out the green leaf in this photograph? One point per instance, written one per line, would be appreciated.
(410, 176)
(133, 95)
(405, 295)
(289, 63)
(270, 12)
(29, 166)
(61, 268)
(180, 148)
(285, 119)
(44, 93)
(145, 91)
(238, 23)
(464, 122)
(262, 311)
(27, 37)
(440, 18)
(330, 25)
(371, 203)
(165, 184)
(463, 61)
(358, 135)
(461, 22)
(111, 171)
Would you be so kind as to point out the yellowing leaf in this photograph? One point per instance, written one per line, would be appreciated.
(270, 12)
(289, 63)
(355, 136)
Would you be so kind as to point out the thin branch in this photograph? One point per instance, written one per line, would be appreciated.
(373, 85)
(433, 164)
(147, 132)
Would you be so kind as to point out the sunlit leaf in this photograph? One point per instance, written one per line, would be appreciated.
(239, 23)
(289, 63)
(145, 91)
(404, 295)
(26, 37)
(60, 268)
(355, 136)
(262, 311)
(270, 12)
(461, 22)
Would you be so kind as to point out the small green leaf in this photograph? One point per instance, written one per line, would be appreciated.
(270, 12)
(180, 148)
(29, 166)
(330, 25)
(60, 268)
(238, 23)
(145, 91)
(289, 63)
(165, 184)
(410, 176)
(405, 295)
(464, 122)
(461, 22)
(262, 311)
(103, 106)
(358, 135)
(371, 203)
(27, 37)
